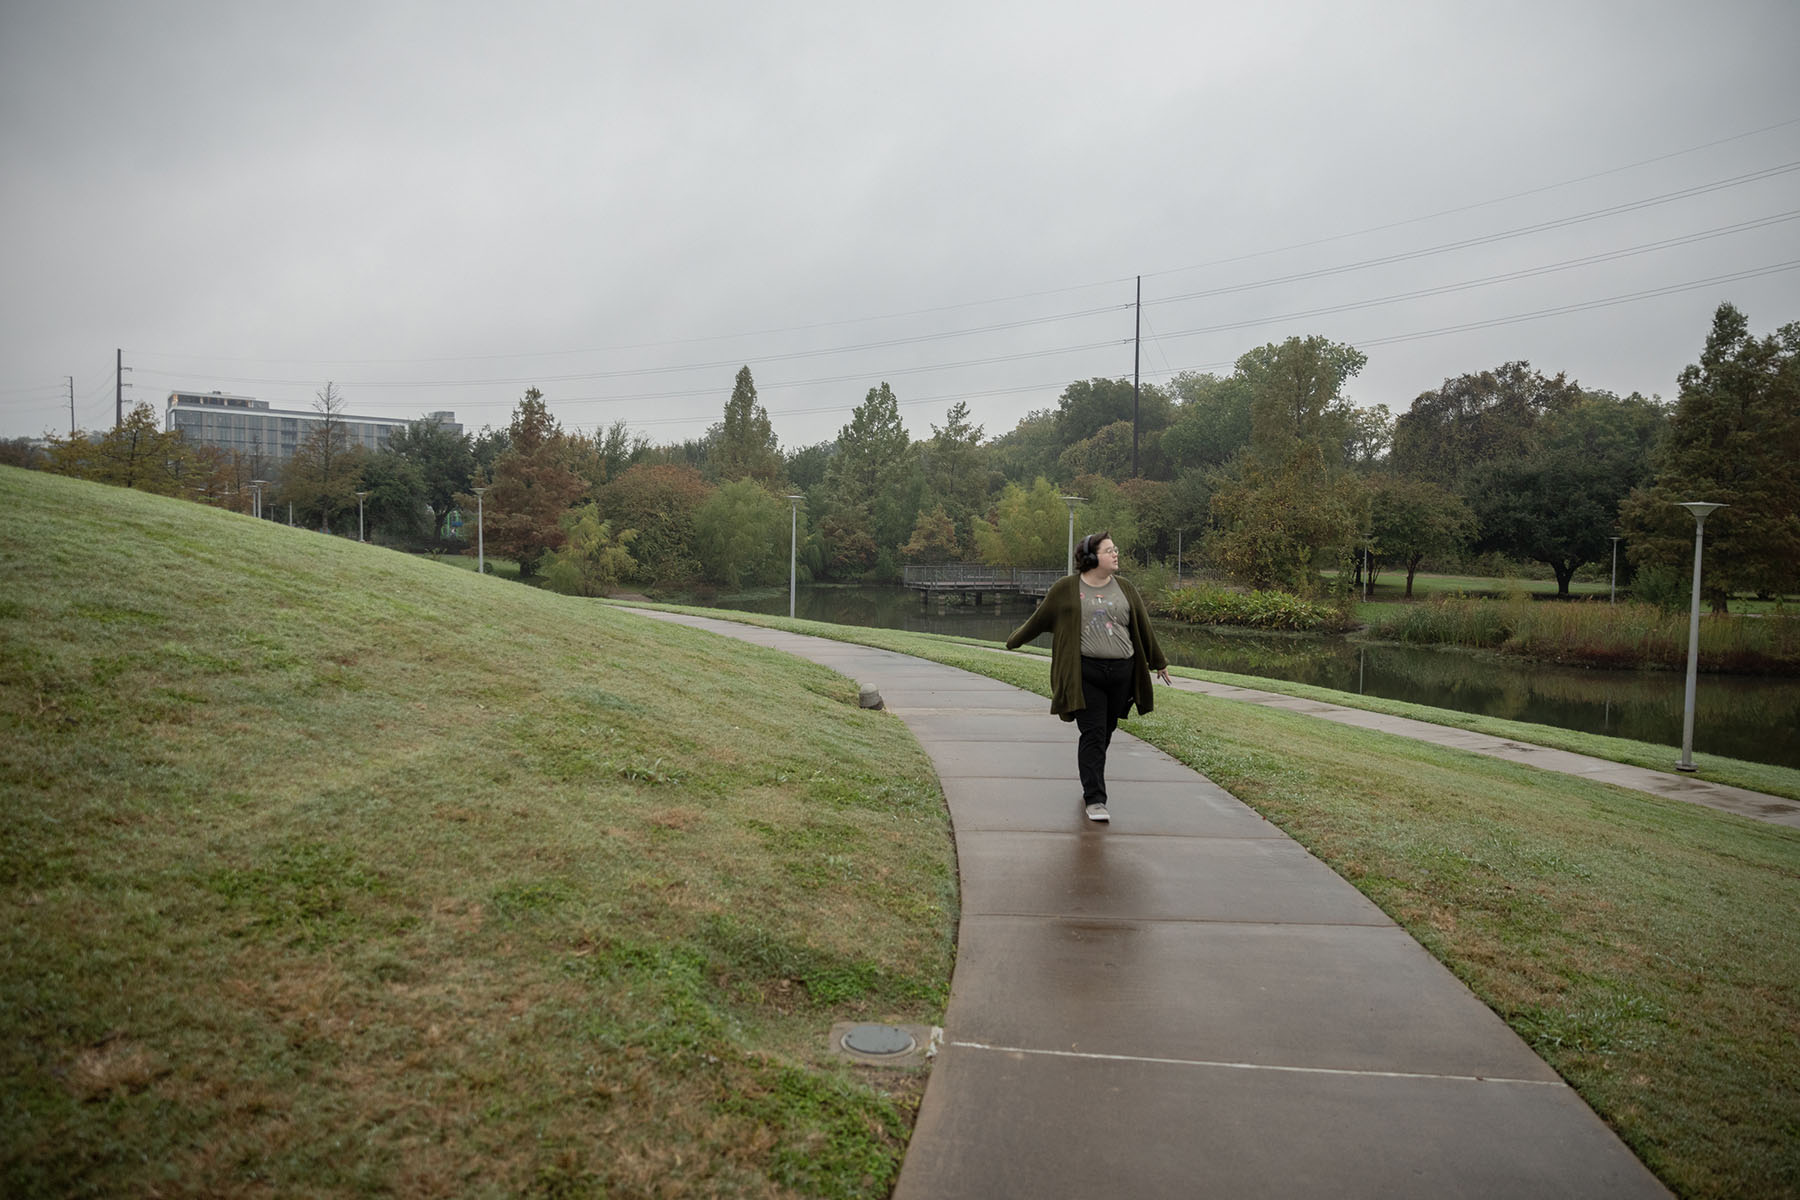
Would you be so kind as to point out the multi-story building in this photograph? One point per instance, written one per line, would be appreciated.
(269, 436)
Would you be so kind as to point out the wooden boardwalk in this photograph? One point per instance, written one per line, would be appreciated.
(977, 579)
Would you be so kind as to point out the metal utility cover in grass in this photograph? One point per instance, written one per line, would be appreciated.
(880, 1040)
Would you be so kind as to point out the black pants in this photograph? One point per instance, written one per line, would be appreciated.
(1106, 685)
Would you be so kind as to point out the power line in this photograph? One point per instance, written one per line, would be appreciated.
(1485, 239)
(1504, 277)
(928, 311)
(1463, 208)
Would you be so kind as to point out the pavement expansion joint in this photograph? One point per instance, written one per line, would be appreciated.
(1373, 923)
(1246, 1066)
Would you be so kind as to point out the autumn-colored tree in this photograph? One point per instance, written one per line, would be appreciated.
(934, 539)
(532, 487)
(135, 454)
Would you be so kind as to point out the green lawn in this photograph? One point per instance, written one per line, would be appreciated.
(1642, 946)
(329, 870)
(332, 871)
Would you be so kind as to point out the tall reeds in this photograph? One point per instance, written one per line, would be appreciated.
(1598, 634)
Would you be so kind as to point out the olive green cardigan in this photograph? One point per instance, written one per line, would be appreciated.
(1059, 614)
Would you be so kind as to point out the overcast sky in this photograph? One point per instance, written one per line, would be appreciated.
(437, 205)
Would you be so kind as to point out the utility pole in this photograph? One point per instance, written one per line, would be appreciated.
(119, 386)
(1137, 344)
(71, 406)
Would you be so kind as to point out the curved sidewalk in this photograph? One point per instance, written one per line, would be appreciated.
(1188, 1003)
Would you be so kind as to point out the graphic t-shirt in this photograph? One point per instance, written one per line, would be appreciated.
(1105, 621)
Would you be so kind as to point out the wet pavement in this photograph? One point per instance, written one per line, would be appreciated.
(1187, 1003)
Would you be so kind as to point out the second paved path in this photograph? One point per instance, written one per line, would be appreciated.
(1188, 1003)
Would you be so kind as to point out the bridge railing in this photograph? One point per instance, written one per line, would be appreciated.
(972, 576)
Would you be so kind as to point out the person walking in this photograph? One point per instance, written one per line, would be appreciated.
(1102, 651)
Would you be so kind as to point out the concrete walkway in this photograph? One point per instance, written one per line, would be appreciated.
(1187, 1003)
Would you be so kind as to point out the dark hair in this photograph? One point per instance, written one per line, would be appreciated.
(1087, 550)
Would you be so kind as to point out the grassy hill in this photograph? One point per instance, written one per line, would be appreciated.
(330, 870)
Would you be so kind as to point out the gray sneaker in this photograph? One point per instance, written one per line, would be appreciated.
(1097, 812)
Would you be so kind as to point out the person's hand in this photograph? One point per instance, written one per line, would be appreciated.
(1163, 674)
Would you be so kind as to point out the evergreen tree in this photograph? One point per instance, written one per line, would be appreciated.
(874, 469)
(746, 446)
(1734, 439)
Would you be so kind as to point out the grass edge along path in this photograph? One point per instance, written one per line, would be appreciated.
(1641, 945)
(328, 871)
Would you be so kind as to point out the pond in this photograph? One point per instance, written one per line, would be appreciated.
(1750, 717)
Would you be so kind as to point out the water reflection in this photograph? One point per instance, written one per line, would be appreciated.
(1749, 717)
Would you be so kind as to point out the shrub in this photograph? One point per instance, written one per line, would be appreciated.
(1204, 604)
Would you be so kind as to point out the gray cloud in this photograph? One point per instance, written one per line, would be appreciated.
(439, 204)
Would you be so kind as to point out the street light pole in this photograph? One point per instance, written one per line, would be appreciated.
(360, 497)
(793, 544)
(1072, 501)
(1701, 511)
(1615, 575)
(256, 487)
(480, 535)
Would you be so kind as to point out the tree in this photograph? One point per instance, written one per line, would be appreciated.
(1275, 524)
(1368, 435)
(741, 535)
(398, 501)
(1029, 449)
(746, 447)
(954, 466)
(1211, 425)
(1734, 439)
(444, 460)
(874, 469)
(806, 466)
(1029, 528)
(592, 557)
(533, 486)
(934, 539)
(1293, 389)
(22, 452)
(1089, 405)
(849, 548)
(1558, 503)
(1155, 515)
(1108, 453)
(659, 501)
(323, 476)
(1411, 519)
(1474, 419)
(134, 454)
(1287, 504)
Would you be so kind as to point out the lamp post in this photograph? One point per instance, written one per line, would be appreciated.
(360, 497)
(793, 543)
(480, 535)
(256, 487)
(1614, 599)
(1701, 511)
(1072, 501)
